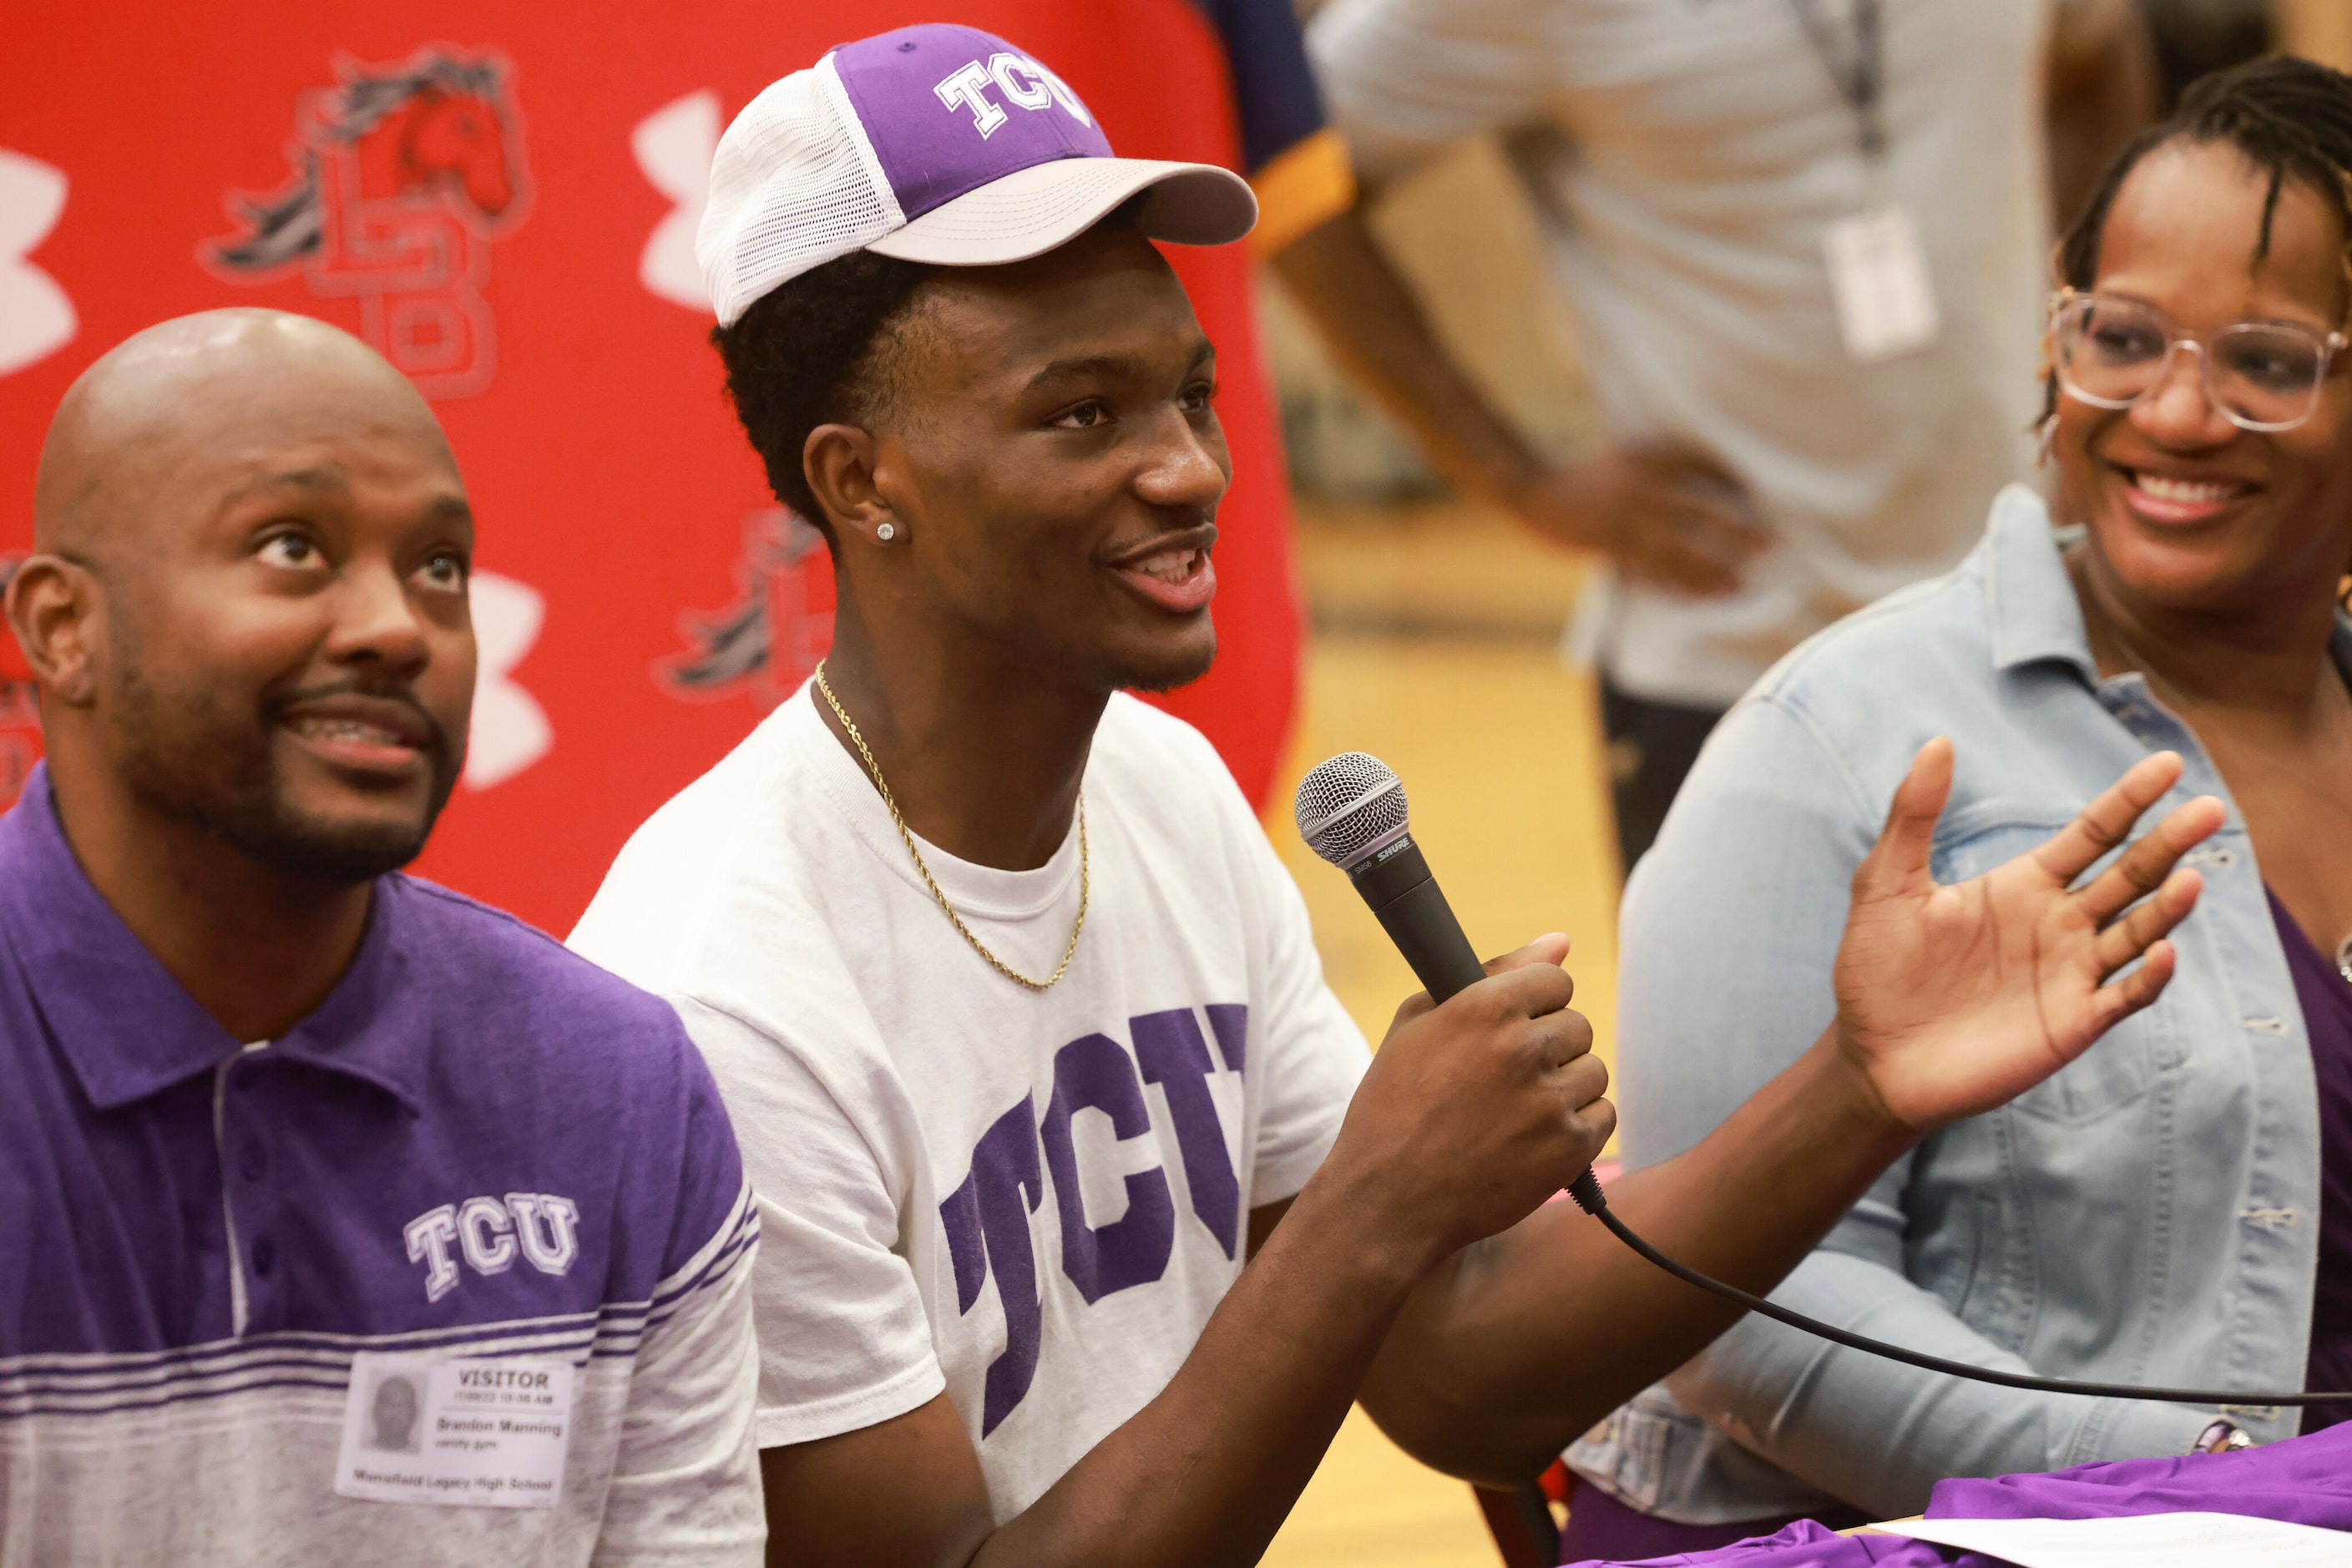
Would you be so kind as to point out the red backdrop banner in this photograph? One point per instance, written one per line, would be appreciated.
(502, 198)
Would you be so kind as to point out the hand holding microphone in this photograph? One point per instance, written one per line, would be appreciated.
(1485, 1099)
(1951, 1000)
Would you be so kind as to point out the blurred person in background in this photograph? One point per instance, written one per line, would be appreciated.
(1805, 244)
(2197, 37)
(2175, 1208)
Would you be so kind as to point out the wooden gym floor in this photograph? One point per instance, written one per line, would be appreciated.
(1434, 650)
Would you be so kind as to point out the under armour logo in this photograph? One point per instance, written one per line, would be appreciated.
(37, 318)
(489, 1232)
(510, 729)
(1024, 83)
(673, 146)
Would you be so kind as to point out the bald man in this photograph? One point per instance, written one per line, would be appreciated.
(280, 1127)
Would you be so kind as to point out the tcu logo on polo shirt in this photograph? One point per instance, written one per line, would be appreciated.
(490, 1232)
(1024, 83)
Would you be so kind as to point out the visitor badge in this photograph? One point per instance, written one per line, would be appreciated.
(463, 1431)
(1879, 277)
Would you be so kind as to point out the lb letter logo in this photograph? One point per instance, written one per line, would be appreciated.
(401, 176)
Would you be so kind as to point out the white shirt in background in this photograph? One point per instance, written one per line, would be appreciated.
(1032, 1200)
(1706, 152)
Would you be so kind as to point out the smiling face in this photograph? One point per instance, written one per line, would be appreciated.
(1053, 462)
(2186, 510)
(276, 645)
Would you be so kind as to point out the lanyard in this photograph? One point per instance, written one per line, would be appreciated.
(1860, 74)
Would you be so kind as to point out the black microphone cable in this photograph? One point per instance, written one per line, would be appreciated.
(1351, 812)
(1586, 1191)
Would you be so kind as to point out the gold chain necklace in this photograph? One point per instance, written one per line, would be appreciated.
(955, 919)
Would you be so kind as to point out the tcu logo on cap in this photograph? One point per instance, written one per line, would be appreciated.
(1024, 83)
(543, 1228)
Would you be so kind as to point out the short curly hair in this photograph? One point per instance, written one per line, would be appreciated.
(812, 351)
(821, 349)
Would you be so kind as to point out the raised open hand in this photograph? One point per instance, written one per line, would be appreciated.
(1952, 1000)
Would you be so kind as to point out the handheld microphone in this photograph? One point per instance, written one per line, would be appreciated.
(1351, 811)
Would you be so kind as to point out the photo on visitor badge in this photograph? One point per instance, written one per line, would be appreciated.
(467, 1432)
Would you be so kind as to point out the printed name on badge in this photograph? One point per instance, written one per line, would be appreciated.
(458, 1431)
(1878, 278)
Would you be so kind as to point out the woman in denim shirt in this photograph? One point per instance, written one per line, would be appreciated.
(2175, 1207)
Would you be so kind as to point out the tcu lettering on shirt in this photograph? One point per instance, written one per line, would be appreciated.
(543, 1228)
(1024, 83)
(987, 1218)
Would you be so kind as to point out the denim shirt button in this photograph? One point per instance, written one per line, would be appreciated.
(2266, 1026)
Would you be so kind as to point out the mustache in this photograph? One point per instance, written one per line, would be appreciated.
(273, 708)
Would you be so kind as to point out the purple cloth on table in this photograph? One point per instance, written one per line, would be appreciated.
(1601, 1528)
(2303, 1480)
(2308, 1481)
(2326, 1002)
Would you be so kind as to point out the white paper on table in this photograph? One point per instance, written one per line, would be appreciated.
(2138, 1540)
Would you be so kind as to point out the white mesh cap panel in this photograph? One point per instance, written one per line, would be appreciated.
(792, 186)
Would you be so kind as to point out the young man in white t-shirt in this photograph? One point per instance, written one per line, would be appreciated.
(1018, 1018)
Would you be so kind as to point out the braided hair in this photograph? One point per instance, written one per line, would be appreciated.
(2291, 117)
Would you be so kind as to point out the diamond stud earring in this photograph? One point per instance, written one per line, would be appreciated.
(886, 533)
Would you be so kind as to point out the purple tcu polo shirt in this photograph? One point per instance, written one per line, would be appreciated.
(481, 1146)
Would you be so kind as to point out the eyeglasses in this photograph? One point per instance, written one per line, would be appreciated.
(2260, 375)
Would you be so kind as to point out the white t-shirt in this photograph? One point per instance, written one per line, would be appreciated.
(1703, 152)
(1032, 1200)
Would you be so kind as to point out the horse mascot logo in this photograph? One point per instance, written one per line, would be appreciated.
(403, 176)
(779, 624)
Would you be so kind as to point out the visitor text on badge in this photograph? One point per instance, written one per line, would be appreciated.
(467, 1432)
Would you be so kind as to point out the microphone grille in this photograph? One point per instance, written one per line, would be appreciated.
(1349, 805)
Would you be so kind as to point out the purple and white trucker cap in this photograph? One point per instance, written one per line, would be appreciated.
(932, 143)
